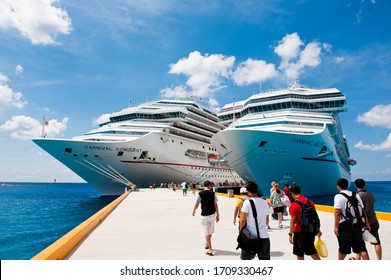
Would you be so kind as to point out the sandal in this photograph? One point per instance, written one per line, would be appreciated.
(209, 253)
(352, 258)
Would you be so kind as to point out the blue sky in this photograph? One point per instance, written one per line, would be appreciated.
(74, 61)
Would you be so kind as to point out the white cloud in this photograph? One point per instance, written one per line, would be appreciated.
(19, 69)
(380, 115)
(7, 96)
(205, 74)
(178, 92)
(293, 59)
(289, 47)
(253, 71)
(41, 21)
(310, 56)
(24, 127)
(385, 146)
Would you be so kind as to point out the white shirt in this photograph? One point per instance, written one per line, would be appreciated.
(340, 203)
(262, 211)
(183, 185)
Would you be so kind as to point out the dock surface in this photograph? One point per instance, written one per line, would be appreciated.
(158, 225)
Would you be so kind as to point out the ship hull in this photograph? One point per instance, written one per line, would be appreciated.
(151, 159)
(267, 156)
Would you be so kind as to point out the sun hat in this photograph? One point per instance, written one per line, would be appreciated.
(243, 190)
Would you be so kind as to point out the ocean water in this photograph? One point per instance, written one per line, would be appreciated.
(380, 189)
(34, 215)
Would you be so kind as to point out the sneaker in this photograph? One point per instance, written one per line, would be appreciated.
(280, 226)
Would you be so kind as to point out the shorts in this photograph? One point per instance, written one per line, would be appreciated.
(303, 244)
(208, 224)
(279, 209)
(375, 232)
(264, 254)
(350, 239)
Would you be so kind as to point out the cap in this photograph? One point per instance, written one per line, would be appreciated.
(243, 190)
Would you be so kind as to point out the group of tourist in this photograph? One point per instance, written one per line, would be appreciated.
(349, 236)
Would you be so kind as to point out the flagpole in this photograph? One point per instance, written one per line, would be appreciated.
(44, 123)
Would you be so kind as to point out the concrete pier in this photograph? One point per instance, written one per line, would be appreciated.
(158, 225)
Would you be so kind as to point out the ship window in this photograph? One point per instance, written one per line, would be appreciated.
(96, 156)
(85, 155)
(120, 153)
(262, 144)
(68, 150)
(75, 155)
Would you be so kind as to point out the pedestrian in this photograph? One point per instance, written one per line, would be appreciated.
(239, 203)
(209, 213)
(184, 188)
(349, 237)
(369, 207)
(303, 243)
(275, 201)
(247, 219)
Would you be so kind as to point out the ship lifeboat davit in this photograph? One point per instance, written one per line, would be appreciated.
(352, 161)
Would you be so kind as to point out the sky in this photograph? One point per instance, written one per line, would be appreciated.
(71, 63)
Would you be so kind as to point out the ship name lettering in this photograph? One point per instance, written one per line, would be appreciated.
(308, 142)
(128, 149)
(102, 148)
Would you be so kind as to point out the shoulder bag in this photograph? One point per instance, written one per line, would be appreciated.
(247, 242)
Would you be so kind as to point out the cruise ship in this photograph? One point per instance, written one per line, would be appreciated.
(290, 136)
(153, 143)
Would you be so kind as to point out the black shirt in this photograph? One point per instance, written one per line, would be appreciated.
(207, 202)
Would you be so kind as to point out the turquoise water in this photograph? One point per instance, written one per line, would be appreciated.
(34, 215)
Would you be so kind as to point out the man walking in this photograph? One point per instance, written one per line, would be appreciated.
(369, 207)
(209, 213)
(348, 236)
(303, 243)
(247, 219)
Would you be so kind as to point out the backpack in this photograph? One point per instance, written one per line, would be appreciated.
(309, 219)
(285, 200)
(354, 213)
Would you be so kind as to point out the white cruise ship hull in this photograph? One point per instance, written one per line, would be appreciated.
(107, 164)
(267, 156)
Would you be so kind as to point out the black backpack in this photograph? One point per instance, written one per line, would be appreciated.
(309, 219)
(354, 213)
